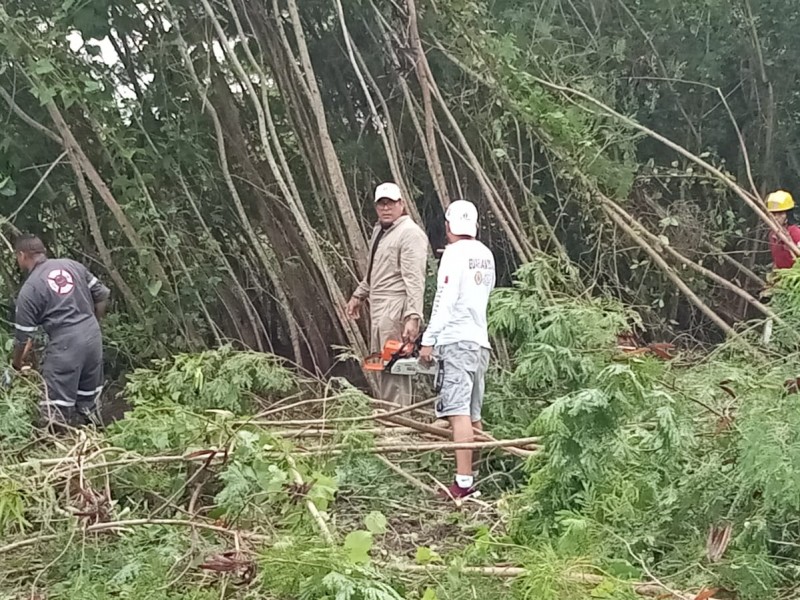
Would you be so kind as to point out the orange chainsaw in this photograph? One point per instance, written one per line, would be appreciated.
(399, 358)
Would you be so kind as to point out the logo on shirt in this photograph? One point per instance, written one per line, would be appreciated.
(478, 277)
(60, 281)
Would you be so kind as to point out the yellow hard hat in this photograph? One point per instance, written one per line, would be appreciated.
(780, 201)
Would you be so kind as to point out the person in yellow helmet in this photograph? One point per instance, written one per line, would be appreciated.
(780, 204)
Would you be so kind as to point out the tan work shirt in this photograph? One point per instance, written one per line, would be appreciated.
(398, 269)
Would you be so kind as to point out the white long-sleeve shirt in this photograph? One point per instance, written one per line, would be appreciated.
(465, 280)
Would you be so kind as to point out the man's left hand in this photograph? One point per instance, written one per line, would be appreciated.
(411, 330)
(426, 355)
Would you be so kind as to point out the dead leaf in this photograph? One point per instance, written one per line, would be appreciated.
(298, 491)
(719, 536)
(231, 562)
(662, 350)
(723, 424)
(706, 593)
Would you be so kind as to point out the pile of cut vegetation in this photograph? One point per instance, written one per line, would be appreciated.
(610, 474)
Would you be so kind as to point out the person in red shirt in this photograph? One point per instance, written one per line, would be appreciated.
(780, 204)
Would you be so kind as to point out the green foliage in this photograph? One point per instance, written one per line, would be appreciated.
(257, 485)
(215, 379)
(152, 428)
(12, 507)
(18, 408)
(643, 457)
(342, 573)
(376, 522)
(560, 346)
(785, 301)
(140, 565)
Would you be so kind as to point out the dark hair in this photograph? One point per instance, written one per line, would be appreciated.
(29, 244)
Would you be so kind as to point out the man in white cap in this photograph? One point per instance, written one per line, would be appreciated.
(394, 284)
(458, 333)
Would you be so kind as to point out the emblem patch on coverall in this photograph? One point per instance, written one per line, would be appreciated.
(60, 281)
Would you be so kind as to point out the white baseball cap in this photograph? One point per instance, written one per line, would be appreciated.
(387, 190)
(462, 217)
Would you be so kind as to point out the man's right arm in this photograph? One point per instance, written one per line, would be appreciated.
(26, 322)
(362, 291)
(447, 292)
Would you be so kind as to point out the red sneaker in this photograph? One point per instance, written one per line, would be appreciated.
(456, 491)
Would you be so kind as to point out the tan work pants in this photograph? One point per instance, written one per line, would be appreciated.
(386, 323)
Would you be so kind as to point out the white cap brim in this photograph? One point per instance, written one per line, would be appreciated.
(463, 228)
(388, 190)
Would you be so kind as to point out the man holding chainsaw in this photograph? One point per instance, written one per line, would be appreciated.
(458, 333)
(62, 297)
(394, 284)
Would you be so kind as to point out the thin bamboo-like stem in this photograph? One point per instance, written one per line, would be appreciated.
(262, 249)
(86, 165)
(283, 174)
(750, 299)
(111, 525)
(312, 508)
(425, 78)
(669, 272)
(342, 199)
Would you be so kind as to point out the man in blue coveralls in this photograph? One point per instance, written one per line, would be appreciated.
(63, 298)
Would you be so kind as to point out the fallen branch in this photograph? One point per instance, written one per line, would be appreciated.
(48, 537)
(407, 476)
(69, 460)
(312, 508)
(658, 244)
(277, 409)
(447, 434)
(324, 421)
(669, 272)
(443, 446)
(643, 588)
(304, 433)
(386, 405)
(760, 210)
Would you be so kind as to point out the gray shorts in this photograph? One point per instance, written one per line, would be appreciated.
(464, 367)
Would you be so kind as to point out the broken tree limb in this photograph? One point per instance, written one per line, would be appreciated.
(428, 447)
(715, 251)
(447, 434)
(134, 460)
(743, 294)
(306, 433)
(323, 421)
(643, 588)
(312, 508)
(417, 408)
(110, 525)
(407, 476)
(730, 183)
(669, 272)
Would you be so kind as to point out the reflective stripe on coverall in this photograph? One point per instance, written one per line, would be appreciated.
(395, 289)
